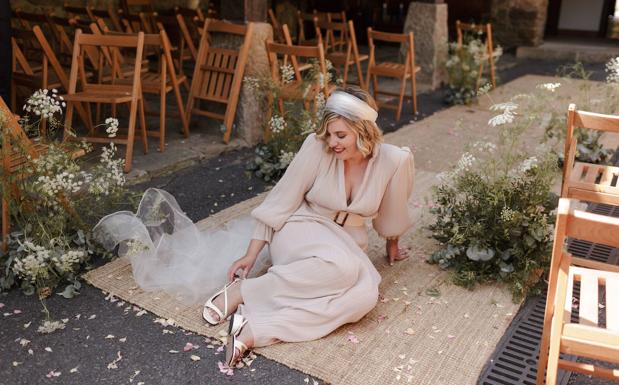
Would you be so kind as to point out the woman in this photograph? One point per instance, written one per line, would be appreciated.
(314, 221)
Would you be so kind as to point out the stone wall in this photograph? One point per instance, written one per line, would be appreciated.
(56, 5)
(519, 22)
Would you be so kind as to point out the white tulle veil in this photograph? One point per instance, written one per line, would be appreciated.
(168, 252)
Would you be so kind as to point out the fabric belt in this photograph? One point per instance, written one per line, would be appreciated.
(344, 218)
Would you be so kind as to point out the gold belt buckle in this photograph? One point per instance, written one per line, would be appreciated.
(337, 218)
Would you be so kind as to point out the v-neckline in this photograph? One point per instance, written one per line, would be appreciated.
(342, 179)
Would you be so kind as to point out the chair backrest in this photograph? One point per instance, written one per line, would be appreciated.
(303, 19)
(485, 30)
(51, 57)
(218, 72)
(82, 41)
(575, 223)
(276, 50)
(190, 32)
(331, 30)
(406, 39)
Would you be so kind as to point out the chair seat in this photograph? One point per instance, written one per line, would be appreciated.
(391, 69)
(100, 96)
(594, 181)
(151, 82)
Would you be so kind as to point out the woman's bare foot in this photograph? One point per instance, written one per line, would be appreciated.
(396, 253)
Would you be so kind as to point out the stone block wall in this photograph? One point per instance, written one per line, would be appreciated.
(519, 22)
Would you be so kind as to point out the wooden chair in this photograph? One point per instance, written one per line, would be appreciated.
(343, 58)
(92, 14)
(587, 337)
(278, 34)
(218, 73)
(17, 153)
(404, 72)
(586, 181)
(160, 83)
(307, 19)
(111, 93)
(485, 31)
(295, 90)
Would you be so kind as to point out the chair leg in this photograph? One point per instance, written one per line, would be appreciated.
(414, 91)
(375, 87)
(362, 82)
(131, 134)
(162, 108)
(143, 123)
(346, 73)
(492, 72)
(401, 100)
(5, 223)
(181, 110)
(68, 117)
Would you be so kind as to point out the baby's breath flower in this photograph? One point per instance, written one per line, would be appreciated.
(612, 70)
(549, 86)
(44, 103)
(277, 124)
(111, 127)
(287, 73)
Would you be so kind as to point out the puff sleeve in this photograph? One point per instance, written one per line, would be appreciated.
(288, 194)
(394, 217)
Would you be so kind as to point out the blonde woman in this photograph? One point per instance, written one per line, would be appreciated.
(314, 222)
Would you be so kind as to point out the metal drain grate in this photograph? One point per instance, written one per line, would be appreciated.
(514, 361)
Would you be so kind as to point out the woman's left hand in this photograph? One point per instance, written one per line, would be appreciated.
(394, 252)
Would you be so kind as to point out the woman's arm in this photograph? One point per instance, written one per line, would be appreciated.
(246, 262)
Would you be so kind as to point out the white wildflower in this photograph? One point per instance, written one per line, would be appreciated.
(507, 116)
(277, 124)
(69, 261)
(111, 127)
(549, 86)
(287, 73)
(44, 103)
(612, 71)
(465, 163)
(484, 147)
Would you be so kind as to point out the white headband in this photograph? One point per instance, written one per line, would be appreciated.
(350, 107)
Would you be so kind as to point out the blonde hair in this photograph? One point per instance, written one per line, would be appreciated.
(368, 133)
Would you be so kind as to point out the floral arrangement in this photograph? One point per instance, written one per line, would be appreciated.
(57, 204)
(494, 210)
(289, 125)
(463, 67)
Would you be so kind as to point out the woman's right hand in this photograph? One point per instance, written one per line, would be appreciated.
(245, 263)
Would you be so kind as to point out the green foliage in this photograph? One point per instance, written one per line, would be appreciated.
(54, 207)
(463, 70)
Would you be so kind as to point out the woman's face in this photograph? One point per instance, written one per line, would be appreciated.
(342, 140)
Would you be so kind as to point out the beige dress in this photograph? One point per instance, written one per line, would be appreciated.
(321, 277)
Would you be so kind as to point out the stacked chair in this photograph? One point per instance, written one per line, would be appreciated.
(585, 335)
(485, 32)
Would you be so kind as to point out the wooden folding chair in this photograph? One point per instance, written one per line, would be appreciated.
(343, 58)
(587, 337)
(278, 35)
(338, 40)
(307, 19)
(404, 72)
(586, 181)
(17, 153)
(160, 83)
(485, 32)
(88, 12)
(112, 93)
(295, 90)
(218, 73)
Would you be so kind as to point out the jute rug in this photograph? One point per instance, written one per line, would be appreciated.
(425, 330)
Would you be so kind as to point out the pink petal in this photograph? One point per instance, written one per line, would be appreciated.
(16, 311)
(188, 346)
(220, 349)
(353, 338)
(381, 318)
(1, 305)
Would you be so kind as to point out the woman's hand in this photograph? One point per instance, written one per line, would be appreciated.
(394, 252)
(245, 263)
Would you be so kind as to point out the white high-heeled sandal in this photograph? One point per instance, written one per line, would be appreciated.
(237, 321)
(209, 305)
